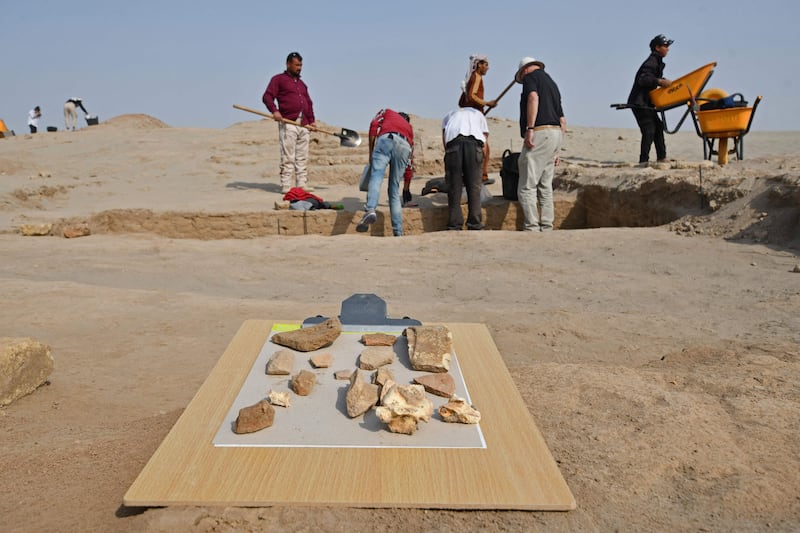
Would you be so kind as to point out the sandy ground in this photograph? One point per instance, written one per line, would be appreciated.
(661, 364)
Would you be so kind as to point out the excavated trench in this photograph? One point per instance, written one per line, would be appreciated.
(578, 206)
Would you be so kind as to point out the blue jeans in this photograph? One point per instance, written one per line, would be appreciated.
(394, 152)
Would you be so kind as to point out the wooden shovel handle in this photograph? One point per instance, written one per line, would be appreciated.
(285, 120)
(502, 94)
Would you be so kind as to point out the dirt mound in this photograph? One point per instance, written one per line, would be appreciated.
(137, 121)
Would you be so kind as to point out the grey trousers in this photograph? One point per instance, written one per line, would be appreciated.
(463, 163)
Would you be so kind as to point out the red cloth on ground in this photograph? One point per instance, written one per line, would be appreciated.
(298, 193)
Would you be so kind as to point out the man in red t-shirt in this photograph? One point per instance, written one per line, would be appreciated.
(391, 139)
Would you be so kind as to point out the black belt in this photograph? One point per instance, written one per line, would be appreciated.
(460, 138)
(399, 135)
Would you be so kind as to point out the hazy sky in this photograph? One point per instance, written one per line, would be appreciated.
(186, 62)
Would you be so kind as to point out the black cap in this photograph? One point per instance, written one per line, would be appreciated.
(659, 40)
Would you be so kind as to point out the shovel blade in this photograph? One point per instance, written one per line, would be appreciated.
(349, 138)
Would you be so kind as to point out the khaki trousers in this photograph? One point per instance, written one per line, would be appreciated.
(70, 116)
(294, 142)
(536, 168)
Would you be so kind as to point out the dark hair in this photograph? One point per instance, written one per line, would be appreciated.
(405, 116)
(660, 40)
(294, 55)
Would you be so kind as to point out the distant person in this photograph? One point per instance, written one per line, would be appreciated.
(70, 115)
(542, 126)
(294, 104)
(33, 118)
(464, 134)
(472, 96)
(391, 139)
(650, 76)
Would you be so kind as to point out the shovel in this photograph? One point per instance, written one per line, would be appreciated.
(347, 137)
(502, 94)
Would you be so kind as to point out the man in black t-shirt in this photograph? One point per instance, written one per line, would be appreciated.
(70, 116)
(542, 126)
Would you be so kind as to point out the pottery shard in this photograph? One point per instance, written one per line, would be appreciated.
(25, 364)
(281, 363)
(281, 399)
(429, 347)
(322, 360)
(403, 407)
(385, 388)
(303, 382)
(439, 384)
(382, 375)
(343, 374)
(458, 410)
(375, 357)
(378, 339)
(310, 338)
(254, 418)
(361, 396)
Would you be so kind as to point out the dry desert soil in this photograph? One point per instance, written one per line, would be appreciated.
(654, 336)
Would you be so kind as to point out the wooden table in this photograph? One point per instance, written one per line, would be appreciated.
(514, 471)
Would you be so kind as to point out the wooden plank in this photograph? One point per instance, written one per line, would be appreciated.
(514, 471)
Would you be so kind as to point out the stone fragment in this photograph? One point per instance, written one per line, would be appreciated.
(282, 204)
(35, 230)
(254, 418)
(303, 382)
(387, 385)
(403, 407)
(378, 339)
(343, 374)
(81, 230)
(310, 338)
(281, 399)
(361, 396)
(429, 347)
(796, 268)
(281, 363)
(375, 357)
(458, 410)
(441, 384)
(382, 375)
(321, 360)
(25, 365)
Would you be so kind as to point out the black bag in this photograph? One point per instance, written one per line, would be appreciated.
(509, 173)
(734, 100)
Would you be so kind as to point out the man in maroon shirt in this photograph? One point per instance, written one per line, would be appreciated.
(391, 139)
(293, 104)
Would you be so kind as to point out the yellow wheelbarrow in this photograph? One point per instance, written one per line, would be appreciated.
(732, 122)
(681, 91)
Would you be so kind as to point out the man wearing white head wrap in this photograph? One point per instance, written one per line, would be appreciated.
(472, 86)
(472, 96)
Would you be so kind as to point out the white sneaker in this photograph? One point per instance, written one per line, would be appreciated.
(369, 218)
